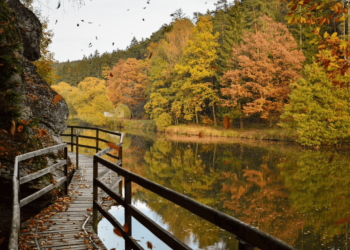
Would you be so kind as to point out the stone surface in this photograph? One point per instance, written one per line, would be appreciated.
(30, 29)
(37, 101)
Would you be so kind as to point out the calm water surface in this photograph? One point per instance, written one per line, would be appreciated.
(298, 195)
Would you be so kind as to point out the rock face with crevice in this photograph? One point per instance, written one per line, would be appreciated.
(37, 96)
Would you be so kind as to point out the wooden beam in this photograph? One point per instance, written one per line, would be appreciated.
(40, 152)
(40, 173)
(41, 192)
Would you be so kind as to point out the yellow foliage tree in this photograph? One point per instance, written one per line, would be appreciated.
(196, 70)
(90, 99)
(64, 89)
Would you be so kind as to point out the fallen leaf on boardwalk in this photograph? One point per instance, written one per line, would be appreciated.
(13, 128)
(117, 232)
(56, 99)
(200, 135)
(226, 162)
(126, 228)
(19, 128)
(149, 245)
(113, 145)
(89, 209)
(86, 241)
(2, 148)
(226, 122)
(2, 240)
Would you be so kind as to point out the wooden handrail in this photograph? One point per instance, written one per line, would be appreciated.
(249, 237)
(17, 181)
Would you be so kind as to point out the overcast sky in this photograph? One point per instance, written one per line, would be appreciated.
(111, 22)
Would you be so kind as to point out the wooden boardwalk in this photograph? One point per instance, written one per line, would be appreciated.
(67, 223)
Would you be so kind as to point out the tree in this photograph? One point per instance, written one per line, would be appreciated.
(165, 55)
(90, 100)
(64, 90)
(262, 68)
(127, 84)
(196, 70)
(318, 110)
(320, 14)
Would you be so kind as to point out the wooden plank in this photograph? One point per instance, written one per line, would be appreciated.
(41, 152)
(41, 172)
(41, 192)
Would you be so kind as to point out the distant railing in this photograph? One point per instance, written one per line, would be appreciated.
(97, 138)
(17, 181)
(248, 236)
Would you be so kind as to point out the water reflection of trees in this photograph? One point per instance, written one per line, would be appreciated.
(236, 180)
(319, 184)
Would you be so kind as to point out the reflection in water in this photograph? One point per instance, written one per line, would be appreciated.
(299, 196)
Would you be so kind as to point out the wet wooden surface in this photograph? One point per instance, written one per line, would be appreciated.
(61, 225)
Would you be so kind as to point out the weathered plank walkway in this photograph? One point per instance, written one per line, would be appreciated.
(71, 228)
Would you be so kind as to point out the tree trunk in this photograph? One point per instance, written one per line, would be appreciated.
(196, 117)
(241, 122)
(270, 120)
(214, 116)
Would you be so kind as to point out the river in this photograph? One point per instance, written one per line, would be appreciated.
(298, 195)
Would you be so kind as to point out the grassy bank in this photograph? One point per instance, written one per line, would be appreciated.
(272, 134)
(145, 125)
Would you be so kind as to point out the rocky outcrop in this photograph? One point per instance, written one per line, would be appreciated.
(30, 29)
(37, 96)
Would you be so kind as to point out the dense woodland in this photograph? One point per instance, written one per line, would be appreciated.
(249, 60)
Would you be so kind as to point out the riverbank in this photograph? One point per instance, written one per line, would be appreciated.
(271, 134)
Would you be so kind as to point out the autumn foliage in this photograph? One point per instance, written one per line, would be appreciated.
(263, 66)
(127, 84)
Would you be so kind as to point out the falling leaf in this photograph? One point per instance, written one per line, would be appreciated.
(59, 5)
(113, 145)
(226, 122)
(126, 228)
(56, 22)
(150, 55)
(19, 128)
(342, 221)
(200, 135)
(112, 44)
(4, 131)
(149, 245)
(56, 99)
(77, 24)
(41, 133)
(143, 19)
(82, 20)
(13, 128)
(226, 162)
(117, 232)
(110, 74)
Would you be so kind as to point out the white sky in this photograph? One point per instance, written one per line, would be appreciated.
(111, 22)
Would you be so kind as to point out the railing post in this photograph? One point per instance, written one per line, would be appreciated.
(97, 140)
(127, 190)
(66, 170)
(71, 139)
(77, 151)
(120, 155)
(95, 195)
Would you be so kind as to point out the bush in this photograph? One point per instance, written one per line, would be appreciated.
(319, 111)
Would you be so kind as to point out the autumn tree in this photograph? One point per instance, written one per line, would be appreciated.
(90, 100)
(127, 84)
(262, 68)
(196, 71)
(318, 111)
(64, 90)
(163, 58)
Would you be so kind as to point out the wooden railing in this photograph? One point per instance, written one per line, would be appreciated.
(73, 135)
(248, 236)
(17, 181)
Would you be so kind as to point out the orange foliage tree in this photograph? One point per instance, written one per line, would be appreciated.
(263, 65)
(127, 83)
